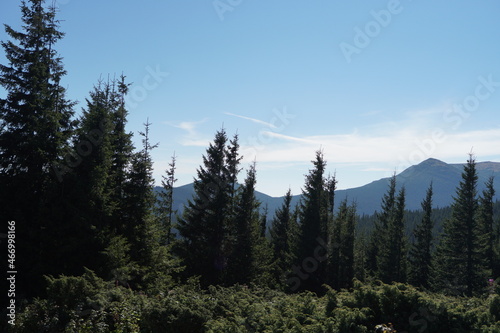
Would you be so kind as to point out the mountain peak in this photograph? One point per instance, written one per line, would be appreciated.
(431, 162)
(424, 167)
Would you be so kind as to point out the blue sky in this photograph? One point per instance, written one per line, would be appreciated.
(377, 85)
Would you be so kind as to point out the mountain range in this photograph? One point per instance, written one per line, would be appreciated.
(416, 179)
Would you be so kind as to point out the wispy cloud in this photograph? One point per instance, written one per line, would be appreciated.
(189, 126)
(257, 121)
(192, 137)
(370, 152)
(290, 138)
(391, 148)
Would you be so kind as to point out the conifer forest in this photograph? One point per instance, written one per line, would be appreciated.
(89, 245)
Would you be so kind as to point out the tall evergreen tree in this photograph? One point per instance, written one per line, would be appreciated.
(334, 235)
(485, 230)
(346, 219)
(121, 142)
(263, 221)
(456, 268)
(398, 242)
(143, 230)
(242, 263)
(90, 182)
(391, 247)
(204, 226)
(496, 251)
(36, 124)
(233, 160)
(165, 210)
(379, 233)
(104, 151)
(139, 200)
(314, 223)
(282, 240)
(360, 250)
(420, 251)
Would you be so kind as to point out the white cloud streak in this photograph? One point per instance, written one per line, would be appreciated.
(192, 136)
(254, 120)
(407, 145)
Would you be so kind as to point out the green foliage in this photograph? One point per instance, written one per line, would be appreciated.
(390, 238)
(495, 307)
(243, 266)
(121, 267)
(342, 250)
(283, 235)
(485, 233)
(204, 226)
(315, 222)
(420, 251)
(457, 268)
(93, 206)
(81, 304)
(35, 128)
(89, 304)
(379, 236)
(165, 200)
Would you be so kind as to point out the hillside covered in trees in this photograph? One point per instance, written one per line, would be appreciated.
(96, 250)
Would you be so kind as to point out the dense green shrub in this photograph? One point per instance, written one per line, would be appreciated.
(89, 304)
(82, 304)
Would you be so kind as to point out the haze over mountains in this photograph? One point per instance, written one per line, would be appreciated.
(416, 179)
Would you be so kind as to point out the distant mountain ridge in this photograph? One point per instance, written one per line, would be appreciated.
(416, 179)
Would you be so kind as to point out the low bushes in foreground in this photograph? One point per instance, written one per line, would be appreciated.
(90, 304)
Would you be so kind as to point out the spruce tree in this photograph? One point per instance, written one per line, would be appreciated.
(314, 226)
(391, 257)
(496, 251)
(121, 142)
(263, 221)
(379, 233)
(119, 264)
(36, 124)
(334, 235)
(242, 262)
(36, 116)
(282, 240)
(360, 250)
(263, 263)
(456, 266)
(204, 226)
(485, 230)
(400, 245)
(233, 160)
(104, 151)
(139, 199)
(420, 251)
(346, 219)
(164, 209)
(90, 182)
(143, 230)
